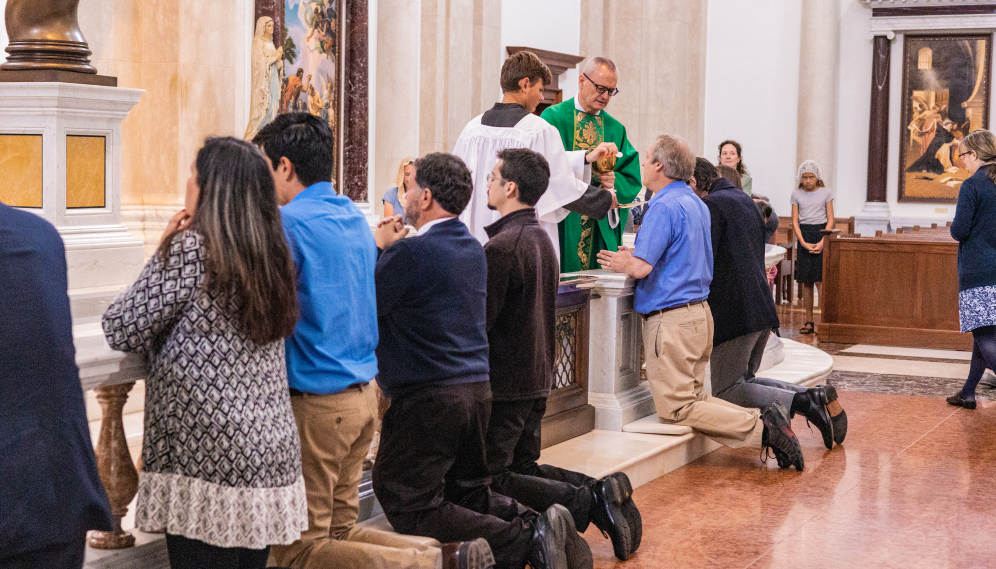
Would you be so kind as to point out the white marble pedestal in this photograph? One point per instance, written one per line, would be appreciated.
(616, 332)
(100, 251)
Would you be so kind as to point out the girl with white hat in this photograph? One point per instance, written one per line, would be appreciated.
(812, 213)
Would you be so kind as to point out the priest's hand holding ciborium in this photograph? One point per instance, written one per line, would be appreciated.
(603, 163)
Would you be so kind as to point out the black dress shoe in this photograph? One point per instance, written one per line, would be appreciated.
(615, 514)
(815, 411)
(838, 418)
(556, 543)
(779, 437)
(468, 555)
(957, 401)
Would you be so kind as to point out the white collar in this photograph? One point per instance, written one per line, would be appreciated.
(578, 106)
(425, 228)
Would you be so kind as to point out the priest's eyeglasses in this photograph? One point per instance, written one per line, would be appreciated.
(601, 89)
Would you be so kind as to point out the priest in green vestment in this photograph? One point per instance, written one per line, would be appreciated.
(583, 125)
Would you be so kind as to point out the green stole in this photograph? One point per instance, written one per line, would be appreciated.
(581, 238)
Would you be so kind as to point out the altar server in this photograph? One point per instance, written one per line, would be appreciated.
(511, 124)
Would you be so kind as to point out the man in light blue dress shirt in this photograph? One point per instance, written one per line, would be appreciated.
(331, 356)
(672, 263)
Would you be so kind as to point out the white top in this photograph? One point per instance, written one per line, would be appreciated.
(478, 147)
(812, 205)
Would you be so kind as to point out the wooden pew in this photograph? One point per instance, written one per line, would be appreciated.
(892, 289)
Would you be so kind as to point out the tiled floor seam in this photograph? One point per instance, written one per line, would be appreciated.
(848, 491)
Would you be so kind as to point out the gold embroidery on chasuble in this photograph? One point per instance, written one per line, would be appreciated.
(589, 132)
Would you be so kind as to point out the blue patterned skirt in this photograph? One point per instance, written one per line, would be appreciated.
(977, 307)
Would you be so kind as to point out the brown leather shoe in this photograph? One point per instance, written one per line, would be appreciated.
(468, 555)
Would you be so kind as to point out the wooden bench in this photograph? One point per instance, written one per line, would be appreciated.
(892, 289)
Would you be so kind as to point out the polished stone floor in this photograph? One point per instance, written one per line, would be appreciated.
(910, 487)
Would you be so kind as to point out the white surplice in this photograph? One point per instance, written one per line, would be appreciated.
(478, 147)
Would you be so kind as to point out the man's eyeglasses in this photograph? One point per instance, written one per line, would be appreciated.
(492, 178)
(600, 89)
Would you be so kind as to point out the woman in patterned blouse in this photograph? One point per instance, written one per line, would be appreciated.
(221, 458)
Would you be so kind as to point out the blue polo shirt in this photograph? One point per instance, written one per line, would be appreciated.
(675, 237)
(334, 342)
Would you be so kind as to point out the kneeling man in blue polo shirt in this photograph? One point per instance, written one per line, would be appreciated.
(672, 263)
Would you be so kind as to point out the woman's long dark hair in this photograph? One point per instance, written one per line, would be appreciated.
(248, 262)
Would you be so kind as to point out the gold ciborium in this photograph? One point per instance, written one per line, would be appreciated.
(605, 163)
(45, 35)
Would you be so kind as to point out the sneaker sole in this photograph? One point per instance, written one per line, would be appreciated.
(782, 435)
(477, 555)
(577, 549)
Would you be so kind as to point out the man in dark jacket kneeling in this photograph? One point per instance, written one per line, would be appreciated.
(523, 276)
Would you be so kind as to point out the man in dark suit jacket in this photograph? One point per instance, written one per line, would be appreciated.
(431, 475)
(50, 493)
(744, 312)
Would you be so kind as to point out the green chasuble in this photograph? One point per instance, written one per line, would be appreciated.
(581, 238)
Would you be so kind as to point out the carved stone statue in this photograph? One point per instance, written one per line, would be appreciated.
(45, 35)
(266, 62)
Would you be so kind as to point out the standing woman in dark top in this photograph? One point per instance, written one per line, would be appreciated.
(974, 227)
(221, 456)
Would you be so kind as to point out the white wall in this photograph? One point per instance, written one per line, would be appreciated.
(553, 25)
(752, 89)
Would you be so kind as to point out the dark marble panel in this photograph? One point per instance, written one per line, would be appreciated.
(356, 99)
(275, 10)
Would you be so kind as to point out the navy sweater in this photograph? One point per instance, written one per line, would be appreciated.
(50, 492)
(974, 226)
(431, 309)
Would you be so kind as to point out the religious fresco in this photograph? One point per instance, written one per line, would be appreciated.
(306, 56)
(946, 82)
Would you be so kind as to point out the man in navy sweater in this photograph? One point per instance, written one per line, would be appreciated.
(50, 494)
(431, 475)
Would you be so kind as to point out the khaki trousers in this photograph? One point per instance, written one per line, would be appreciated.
(677, 344)
(335, 432)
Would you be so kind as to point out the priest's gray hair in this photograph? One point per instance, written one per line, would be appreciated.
(596, 62)
(674, 155)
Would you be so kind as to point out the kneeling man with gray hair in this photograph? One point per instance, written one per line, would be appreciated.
(672, 263)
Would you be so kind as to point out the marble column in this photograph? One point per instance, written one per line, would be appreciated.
(819, 62)
(615, 389)
(396, 104)
(657, 94)
(460, 65)
(875, 214)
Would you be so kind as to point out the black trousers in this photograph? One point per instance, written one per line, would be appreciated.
(60, 556)
(513, 447)
(186, 553)
(432, 479)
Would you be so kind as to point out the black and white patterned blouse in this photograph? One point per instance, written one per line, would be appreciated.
(221, 458)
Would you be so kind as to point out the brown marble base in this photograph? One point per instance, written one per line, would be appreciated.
(114, 463)
(56, 76)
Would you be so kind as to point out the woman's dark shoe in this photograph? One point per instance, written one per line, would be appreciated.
(807, 328)
(838, 418)
(957, 401)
